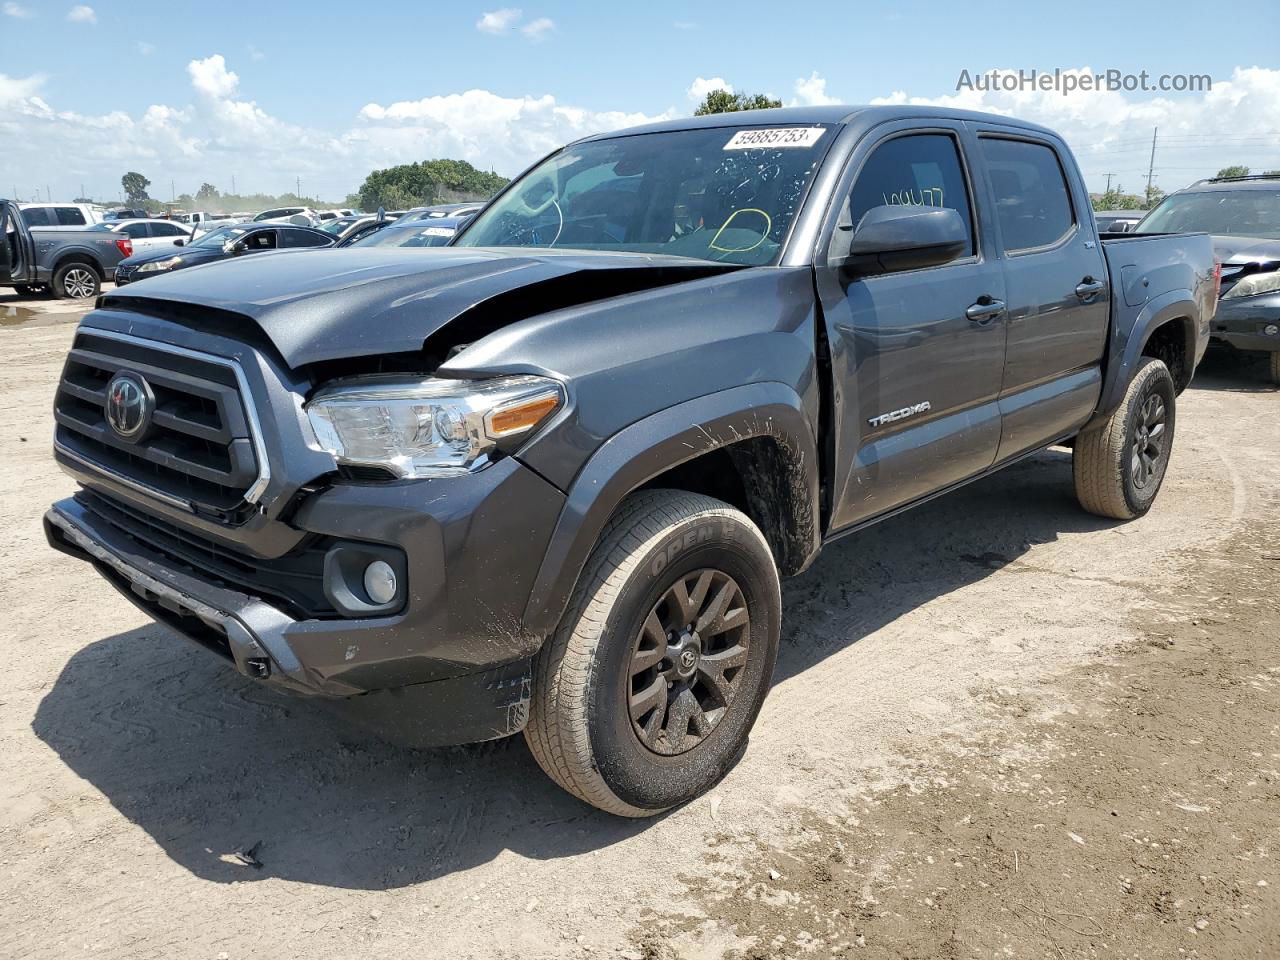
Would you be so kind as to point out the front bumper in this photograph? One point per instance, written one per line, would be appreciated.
(452, 666)
(1242, 322)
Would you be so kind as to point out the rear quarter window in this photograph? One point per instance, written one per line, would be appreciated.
(1033, 202)
(37, 217)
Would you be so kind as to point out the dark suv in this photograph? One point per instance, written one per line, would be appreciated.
(1243, 215)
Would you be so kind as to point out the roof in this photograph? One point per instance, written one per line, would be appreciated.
(831, 114)
(1255, 182)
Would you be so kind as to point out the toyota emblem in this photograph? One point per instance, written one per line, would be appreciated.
(129, 406)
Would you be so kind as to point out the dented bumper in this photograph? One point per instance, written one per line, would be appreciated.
(451, 666)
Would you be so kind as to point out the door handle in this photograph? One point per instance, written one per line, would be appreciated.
(1089, 287)
(985, 310)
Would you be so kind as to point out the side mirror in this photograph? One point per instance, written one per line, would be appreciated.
(238, 248)
(899, 237)
(179, 243)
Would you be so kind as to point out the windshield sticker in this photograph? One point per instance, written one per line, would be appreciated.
(438, 232)
(777, 137)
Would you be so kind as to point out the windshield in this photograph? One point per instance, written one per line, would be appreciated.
(414, 235)
(216, 238)
(111, 225)
(724, 193)
(335, 226)
(1240, 213)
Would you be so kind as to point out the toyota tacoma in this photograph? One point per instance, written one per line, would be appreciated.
(546, 478)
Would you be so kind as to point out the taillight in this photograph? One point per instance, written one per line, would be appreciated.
(125, 246)
(1217, 278)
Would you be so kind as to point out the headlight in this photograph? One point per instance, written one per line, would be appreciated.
(156, 265)
(430, 427)
(1255, 284)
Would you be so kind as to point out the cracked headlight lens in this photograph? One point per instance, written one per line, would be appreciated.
(430, 427)
(1255, 284)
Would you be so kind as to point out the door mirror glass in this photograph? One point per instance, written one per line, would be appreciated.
(899, 237)
(179, 243)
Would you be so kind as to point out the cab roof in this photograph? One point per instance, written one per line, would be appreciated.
(831, 114)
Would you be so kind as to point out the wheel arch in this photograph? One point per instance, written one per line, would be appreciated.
(751, 446)
(1164, 328)
(77, 255)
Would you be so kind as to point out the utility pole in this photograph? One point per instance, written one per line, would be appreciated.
(298, 189)
(1109, 176)
(173, 194)
(233, 184)
(1152, 165)
(48, 194)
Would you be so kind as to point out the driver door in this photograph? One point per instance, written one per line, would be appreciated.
(17, 260)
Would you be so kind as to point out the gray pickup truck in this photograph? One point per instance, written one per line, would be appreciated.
(547, 478)
(71, 263)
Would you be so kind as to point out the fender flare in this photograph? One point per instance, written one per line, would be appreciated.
(78, 253)
(653, 445)
(1126, 348)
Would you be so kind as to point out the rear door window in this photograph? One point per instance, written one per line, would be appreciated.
(69, 216)
(37, 217)
(136, 231)
(301, 238)
(1033, 202)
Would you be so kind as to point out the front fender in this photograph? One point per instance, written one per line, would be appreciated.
(655, 444)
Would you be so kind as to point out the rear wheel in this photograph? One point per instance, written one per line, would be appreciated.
(644, 697)
(1274, 366)
(76, 280)
(1119, 467)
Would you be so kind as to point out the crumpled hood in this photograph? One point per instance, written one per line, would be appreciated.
(317, 305)
(1246, 249)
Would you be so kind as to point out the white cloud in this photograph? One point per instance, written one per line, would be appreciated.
(217, 129)
(82, 14)
(1110, 132)
(211, 77)
(18, 12)
(812, 92)
(146, 49)
(685, 25)
(701, 86)
(496, 21)
(537, 29)
(255, 53)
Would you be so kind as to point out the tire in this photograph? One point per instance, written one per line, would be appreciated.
(1119, 467)
(76, 280)
(588, 728)
(1274, 366)
(25, 289)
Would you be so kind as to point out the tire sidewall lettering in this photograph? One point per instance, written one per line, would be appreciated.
(686, 540)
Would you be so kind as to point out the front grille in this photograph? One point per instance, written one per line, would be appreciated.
(125, 274)
(293, 583)
(198, 451)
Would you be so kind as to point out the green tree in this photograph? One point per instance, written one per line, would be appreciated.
(135, 187)
(1117, 199)
(207, 192)
(1236, 171)
(415, 184)
(1153, 196)
(722, 101)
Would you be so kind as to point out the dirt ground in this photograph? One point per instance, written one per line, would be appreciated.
(1000, 728)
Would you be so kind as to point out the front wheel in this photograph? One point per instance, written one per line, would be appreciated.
(644, 696)
(76, 281)
(1118, 467)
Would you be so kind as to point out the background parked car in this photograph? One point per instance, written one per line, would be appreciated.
(431, 233)
(126, 214)
(71, 262)
(60, 216)
(1118, 221)
(1243, 216)
(147, 235)
(286, 213)
(439, 210)
(352, 228)
(221, 244)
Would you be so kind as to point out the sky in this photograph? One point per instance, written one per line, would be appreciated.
(273, 92)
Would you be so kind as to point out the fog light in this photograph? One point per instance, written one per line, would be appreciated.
(380, 582)
(1271, 329)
